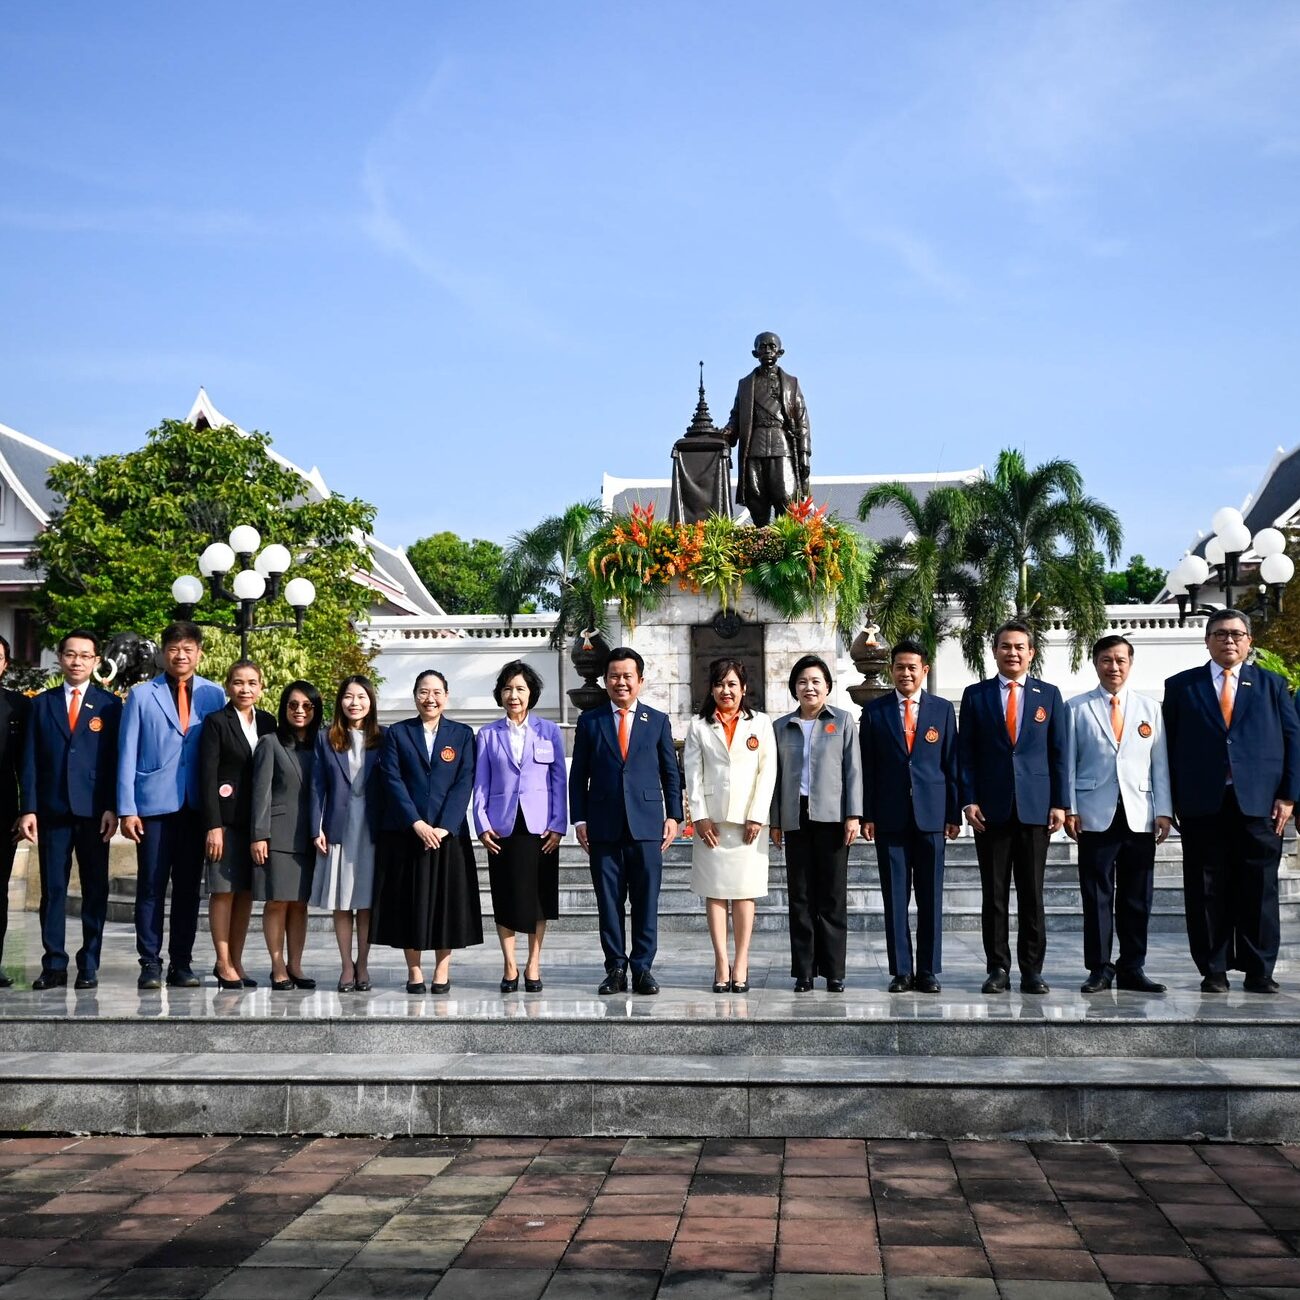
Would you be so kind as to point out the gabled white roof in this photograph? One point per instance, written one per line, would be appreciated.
(22, 458)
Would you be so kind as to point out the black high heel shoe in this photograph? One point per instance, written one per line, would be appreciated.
(510, 985)
(532, 986)
(739, 986)
(244, 981)
(301, 981)
(229, 985)
(413, 987)
(723, 986)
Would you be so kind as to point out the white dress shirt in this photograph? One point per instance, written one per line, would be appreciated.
(518, 735)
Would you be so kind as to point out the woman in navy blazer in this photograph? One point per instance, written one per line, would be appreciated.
(346, 798)
(520, 806)
(426, 888)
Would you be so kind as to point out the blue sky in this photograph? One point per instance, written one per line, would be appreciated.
(464, 257)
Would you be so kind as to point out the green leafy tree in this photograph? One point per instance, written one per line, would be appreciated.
(919, 573)
(547, 565)
(127, 525)
(1139, 583)
(461, 576)
(1031, 547)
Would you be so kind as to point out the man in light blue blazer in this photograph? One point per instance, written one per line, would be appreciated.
(159, 805)
(1122, 808)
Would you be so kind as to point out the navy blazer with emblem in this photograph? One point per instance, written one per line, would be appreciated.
(67, 774)
(924, 782)
(331, 789)
(1260, 751)
(1028, 779)
(418, 788)
(615, 797)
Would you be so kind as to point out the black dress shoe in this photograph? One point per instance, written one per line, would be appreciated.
(737, 986)
(834, 986)
(298, 981)
(347, 986)
(1098, 981)
(361, 986)
(999, 981)
(234, 986)
(1260, 984)
(510, 985)
(50, 979)
(532, 986)
(722, 986)
(1135, 981)
(802, 985)
(414, 986)
(150, 977)
(900, 984)
(926, 983)
(277, 986)
(646, 985)
(1033, 983)
(182, 977)
(439, 989)
(5, 981)
(614, 982)
(86, 981)
(1214, 983)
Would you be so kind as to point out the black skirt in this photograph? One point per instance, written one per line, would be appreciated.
(425, 898)
(525, 881)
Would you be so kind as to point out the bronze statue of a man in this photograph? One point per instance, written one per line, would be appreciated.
(769, 422)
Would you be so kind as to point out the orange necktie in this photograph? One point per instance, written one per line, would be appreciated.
(1011, 711)
(909, 723)
(74, 709)
(1225, 698)
(1116, 719)
(624, 732)
(183, 707)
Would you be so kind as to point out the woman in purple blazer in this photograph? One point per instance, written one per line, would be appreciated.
(520, 798)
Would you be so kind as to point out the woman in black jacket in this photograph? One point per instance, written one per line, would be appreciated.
(226, 787)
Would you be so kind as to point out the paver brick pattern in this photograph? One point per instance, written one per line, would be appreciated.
(524, 1218)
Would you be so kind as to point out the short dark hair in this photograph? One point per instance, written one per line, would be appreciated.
(244, 663)
(428, 672)
(718, 669)
(805, 662)
(908, 646)
(182, 630)
(626, 652)
(1226, 616)
(4, 645)
(1013, 625)
(517, 668)
(283, 729)
(78, 634)
(1109, 643)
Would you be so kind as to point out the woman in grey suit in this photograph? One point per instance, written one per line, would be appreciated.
(284, 856)
(817, 811)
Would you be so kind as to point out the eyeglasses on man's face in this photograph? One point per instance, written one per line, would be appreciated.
(1220, 635)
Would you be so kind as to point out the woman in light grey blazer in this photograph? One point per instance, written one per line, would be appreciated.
(817, 812)
(284, 856)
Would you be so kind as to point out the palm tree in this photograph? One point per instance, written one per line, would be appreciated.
(918, 574)
(1033, 546)
(546, 564)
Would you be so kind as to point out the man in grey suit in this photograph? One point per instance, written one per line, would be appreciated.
(1119, 783)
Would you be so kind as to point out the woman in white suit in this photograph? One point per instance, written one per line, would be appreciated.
(730, 761)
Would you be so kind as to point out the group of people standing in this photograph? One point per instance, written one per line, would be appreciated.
(373, 823)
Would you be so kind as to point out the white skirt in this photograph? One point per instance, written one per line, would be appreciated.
(734, 869)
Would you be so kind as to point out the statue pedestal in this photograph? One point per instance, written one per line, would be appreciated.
(665, 638)
(701, 479)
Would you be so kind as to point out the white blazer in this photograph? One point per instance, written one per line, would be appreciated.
(1100, 769)
(731, 784)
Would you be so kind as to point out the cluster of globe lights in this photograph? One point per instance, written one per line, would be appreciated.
(1231, 538)
(251, 583)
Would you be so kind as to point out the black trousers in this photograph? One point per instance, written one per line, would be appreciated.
(1007, 851)
(817, 887)
(907, 860)
(1117, 869)
(1230, 866)
(7, 850)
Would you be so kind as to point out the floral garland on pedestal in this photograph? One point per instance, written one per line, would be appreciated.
(805, 561)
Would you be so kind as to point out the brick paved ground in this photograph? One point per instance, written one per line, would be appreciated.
(521, 1218)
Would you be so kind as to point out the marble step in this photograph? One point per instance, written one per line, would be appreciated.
(1132, 1099)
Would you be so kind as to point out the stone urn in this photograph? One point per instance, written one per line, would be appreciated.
(870, 657)
(589, 655)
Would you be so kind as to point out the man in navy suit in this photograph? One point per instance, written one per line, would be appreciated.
(910, 803)
(625, 797)
(159, 803)
(1013, 750)
(1234, 769)
(69, 793)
